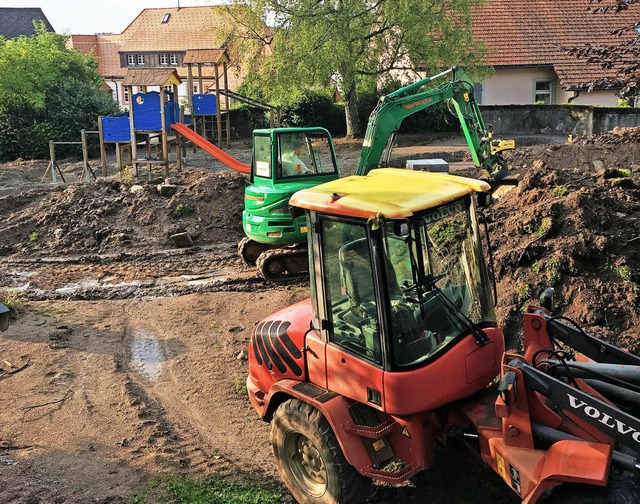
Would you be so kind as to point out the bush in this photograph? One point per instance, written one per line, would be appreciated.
(47, 92)
(315, 108)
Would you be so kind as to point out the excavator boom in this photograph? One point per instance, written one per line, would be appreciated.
(392, 109)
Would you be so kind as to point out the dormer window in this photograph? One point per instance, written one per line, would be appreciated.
(165, 18)
(164, 59)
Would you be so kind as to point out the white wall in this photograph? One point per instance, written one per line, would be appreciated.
(517, 87)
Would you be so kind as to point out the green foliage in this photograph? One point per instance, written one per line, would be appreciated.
(544, 227)
(341, 45)
(240, 386)
(559, 191)
(12, 300)
(313, 108)
(625, 172)
(47, 92)
(182, 490)
(33, 236)
(523, 291)
(182, 210)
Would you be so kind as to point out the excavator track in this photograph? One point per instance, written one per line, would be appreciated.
(249, 250)
(282, 264)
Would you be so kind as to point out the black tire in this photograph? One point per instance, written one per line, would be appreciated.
(620, 490)
(310, 460)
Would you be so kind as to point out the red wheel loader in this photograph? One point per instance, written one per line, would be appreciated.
(398, 348)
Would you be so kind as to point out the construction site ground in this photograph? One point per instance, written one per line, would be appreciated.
(128, 358)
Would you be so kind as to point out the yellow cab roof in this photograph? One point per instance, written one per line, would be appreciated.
(394, 192)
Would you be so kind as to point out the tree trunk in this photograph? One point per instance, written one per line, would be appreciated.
(351, 112)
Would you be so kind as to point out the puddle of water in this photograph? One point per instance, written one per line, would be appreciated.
(146, 355)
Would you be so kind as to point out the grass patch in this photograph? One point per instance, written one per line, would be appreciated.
(240, 386)
(183, 490)
(545, 226)
(523, 292)
(559, 191)
(182, 210)
(13, 301)
(33, 236)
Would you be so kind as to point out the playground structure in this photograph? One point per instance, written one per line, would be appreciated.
(154, 115)
(53, 166)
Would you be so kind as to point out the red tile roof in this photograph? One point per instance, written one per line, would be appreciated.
(521, 33)
(105, 48)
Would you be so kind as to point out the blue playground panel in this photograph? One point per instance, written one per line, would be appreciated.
(116, 128)
(146, 112)
(205, 104)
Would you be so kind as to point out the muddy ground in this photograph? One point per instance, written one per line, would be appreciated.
(127, 360)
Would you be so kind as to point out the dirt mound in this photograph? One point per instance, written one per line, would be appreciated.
(576, 230)
(107, 215)
(616, 136)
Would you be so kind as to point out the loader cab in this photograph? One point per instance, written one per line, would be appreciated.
(401, 291)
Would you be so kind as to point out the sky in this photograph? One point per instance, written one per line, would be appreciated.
(83, 17)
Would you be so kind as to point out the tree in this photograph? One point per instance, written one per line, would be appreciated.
(623, 57)
(46, 92)
(315, 42)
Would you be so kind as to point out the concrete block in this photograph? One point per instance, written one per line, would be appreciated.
(432, 165)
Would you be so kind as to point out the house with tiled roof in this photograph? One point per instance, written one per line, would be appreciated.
(159, 38)
(526, 41)
(16, 21)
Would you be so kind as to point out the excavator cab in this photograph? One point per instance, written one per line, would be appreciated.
(285, 160)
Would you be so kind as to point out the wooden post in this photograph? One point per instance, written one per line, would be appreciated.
(193, 115)
(164, 134)
(52, 157)
(86, 169)
(271, 118)
(119, 157)
(218, 117)
(132, 129)
(103, 151)
(226, 102)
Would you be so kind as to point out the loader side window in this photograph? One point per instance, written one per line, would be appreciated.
(350, 291)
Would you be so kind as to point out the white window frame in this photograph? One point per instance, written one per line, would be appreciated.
(140, 59)
(164, 59)
(538, 92)
(131, 60)
(125, 94)
(173, 59)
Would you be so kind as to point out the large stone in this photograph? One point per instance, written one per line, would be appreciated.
(182, 239)
(167, 189)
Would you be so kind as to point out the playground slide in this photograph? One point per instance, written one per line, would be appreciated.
(207, 146)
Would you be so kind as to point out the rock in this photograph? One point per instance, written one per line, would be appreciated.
(193, 231)
(598, 166)
(242, 356)
(136, 189)
(236, 329)
(182, 239)
(58, 233)
(167, 189)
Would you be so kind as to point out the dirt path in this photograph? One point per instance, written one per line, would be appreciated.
(132, 347)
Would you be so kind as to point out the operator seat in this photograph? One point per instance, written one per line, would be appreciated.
(356, 274)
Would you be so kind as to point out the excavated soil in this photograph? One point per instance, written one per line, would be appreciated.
(128, 358)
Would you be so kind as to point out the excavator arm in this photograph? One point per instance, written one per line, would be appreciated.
(392, 109)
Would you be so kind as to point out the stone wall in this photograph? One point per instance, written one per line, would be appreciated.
(557, 119)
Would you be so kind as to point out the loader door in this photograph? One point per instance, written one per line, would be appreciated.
(354, 353)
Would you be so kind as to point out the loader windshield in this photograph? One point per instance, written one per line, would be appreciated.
(444, 291)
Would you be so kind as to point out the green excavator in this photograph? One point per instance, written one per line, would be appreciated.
(286, 160)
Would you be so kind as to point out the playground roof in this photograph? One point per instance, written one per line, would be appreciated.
(206, 56)
(151, 77)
